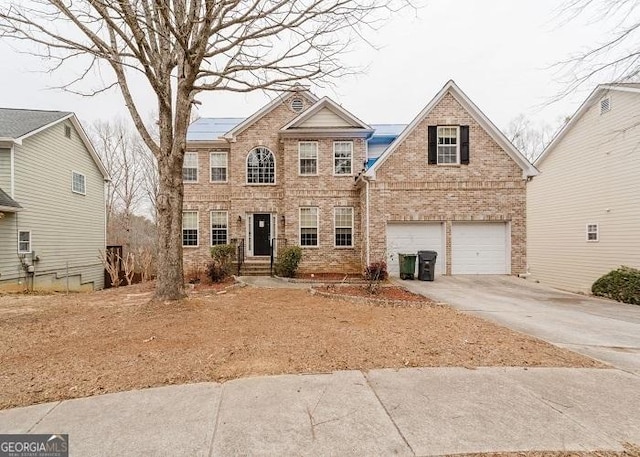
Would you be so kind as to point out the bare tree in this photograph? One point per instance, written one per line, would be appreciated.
(617, 58)
(183, 47)
(530, 139)
(123, 153)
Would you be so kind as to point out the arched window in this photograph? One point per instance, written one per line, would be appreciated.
(261, 166)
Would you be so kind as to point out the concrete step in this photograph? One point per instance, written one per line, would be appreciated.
(254, 269)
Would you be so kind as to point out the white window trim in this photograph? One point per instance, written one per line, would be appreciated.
(597, 232)
(300, 227)
(197, 168)
(334, 159)
(226, 164)
(317, 158)
(457, 162)
(352, 227)
(197, 245)
(30, 242)
(275, 169)
(85, 183)
(226, 213)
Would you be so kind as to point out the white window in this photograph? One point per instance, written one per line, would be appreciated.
(448, 145)
(78, 184)
(219, 227)
(261, 167)
(592, 232)
(189, 228)
(308, 157)
(218, 163)
(605, 105)
(24, 242)
(343, 227)
(342, 157)
(309, 226)
(190, 167)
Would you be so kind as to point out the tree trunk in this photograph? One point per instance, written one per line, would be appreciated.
(173, 139)
(170, 277)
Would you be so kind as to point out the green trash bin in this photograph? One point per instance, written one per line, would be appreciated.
(407, 265)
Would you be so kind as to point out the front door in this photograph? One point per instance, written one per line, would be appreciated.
(261, 234)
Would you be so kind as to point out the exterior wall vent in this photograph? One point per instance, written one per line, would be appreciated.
(297, 104)
(67, 131)
(605, 105)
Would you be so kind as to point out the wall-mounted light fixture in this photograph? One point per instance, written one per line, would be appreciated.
(283, 219)
(239, 218)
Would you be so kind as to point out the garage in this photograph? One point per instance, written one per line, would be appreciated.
(479, 248)
(413, 237)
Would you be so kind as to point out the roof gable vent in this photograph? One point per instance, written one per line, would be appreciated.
(297, 104)
(605, 105)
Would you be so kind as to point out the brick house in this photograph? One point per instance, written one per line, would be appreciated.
(305, 171)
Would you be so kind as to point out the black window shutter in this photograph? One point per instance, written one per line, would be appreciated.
(433, 144)
(464, 144)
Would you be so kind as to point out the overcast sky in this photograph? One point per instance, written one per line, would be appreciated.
(499, 52)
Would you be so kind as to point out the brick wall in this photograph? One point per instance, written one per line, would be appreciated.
(490, 188)
(289, 193)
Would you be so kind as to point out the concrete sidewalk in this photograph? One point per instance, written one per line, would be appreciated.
(420, 411)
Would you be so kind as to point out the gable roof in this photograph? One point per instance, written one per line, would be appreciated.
(17, 125)
(325, 103)
(595, 95)
(266, 109)
(451, 87)
(8, 204)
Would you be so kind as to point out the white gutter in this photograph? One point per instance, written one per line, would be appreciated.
(368, 257)
(12, 172)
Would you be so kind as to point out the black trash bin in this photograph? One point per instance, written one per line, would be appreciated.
(427, 265)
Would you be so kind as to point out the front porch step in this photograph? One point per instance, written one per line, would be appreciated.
(254, 268)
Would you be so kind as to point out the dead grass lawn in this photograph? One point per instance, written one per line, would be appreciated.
(57, 347)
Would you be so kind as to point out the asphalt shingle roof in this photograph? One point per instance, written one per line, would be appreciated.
(5, 200)
(15, 123)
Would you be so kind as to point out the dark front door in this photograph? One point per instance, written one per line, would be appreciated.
(262, 234)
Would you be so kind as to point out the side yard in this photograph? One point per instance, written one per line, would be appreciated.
(56, 346)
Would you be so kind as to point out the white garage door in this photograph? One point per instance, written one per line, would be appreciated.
(409, 238)
(479, 248)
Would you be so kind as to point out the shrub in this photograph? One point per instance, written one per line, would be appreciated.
(220, 267)
(622, 285)
(288, 261)
(376, 271)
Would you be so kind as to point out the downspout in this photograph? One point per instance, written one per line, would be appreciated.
(12, 189)
(368, 256)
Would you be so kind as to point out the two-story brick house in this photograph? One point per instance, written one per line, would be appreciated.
(304, 171)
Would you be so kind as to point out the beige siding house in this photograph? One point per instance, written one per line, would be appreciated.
(584, 207)
(52, 208)
(304, 171)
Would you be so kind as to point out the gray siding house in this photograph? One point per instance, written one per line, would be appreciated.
(52, 203)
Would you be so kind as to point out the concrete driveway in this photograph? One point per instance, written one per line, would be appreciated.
(602, 329)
